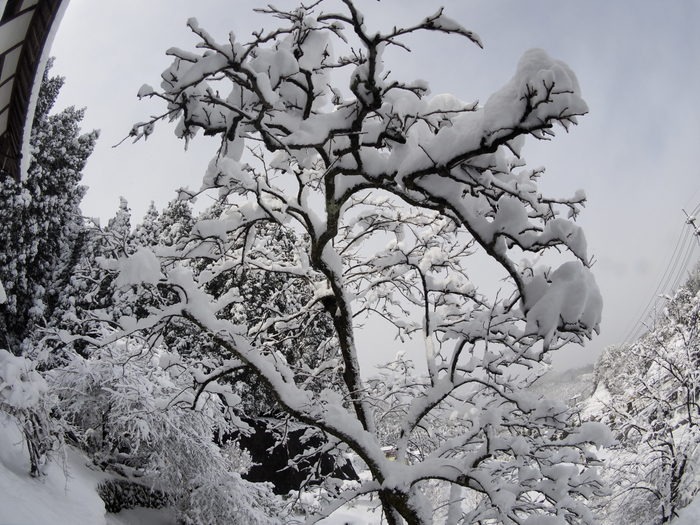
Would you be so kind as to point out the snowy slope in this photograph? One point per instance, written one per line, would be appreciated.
(569, 386)
(690, 515)
(65, 496)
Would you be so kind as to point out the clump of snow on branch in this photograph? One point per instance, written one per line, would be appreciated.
(142, 267)
(21, 385)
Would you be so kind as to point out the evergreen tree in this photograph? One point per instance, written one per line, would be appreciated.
(265, 295)
(89, 297)
(259, 295)
(146, 232)
(117, 235)
(175, 223)
(40, 218)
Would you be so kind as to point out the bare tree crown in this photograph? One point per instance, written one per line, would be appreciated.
(391, 192)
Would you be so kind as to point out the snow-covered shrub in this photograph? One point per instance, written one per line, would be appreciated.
(217, 496)
(119, 494)
(25, 395)
(133, 412)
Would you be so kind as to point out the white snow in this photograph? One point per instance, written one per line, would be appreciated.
(572, 297)
(66, 495)
(144, 91)
(690, 515)
(141, 267)
(21, 386)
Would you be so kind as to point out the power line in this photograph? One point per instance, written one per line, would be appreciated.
(644, 312)
(674, 273)
(686, 262)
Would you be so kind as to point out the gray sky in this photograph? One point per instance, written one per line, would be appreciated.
(634, 154)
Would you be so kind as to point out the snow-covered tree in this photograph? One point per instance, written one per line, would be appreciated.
(175, 223)
(128, 405)
(40, 219)
(117, 234)
(266, 294)
(273, 295)
(89, 298)
(392, 196)
(147, 231)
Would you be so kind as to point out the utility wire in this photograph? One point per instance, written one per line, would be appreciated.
(676, 269)
(644, 312)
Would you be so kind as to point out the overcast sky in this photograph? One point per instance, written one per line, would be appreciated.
(634, 154)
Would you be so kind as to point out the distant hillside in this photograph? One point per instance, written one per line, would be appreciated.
(570, 386)
(648, 393)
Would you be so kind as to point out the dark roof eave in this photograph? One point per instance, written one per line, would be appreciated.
(25, 77)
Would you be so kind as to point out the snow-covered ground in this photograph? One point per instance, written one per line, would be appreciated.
(65, 496)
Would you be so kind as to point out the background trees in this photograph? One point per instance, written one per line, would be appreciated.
(389, 194)
(118, 403)
(40, 242)
(40, 219)
(654, 388)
